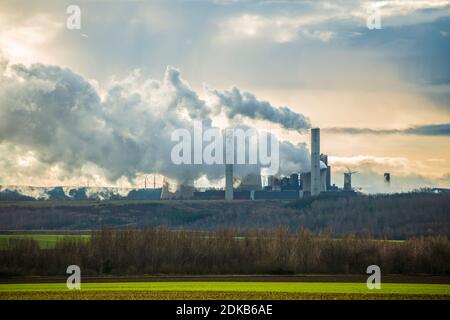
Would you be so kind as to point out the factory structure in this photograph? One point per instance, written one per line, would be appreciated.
(313, 182)
(307, 183)
(310, 182)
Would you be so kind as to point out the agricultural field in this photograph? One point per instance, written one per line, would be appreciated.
(45, 241)
(48, 240)
(225, 290)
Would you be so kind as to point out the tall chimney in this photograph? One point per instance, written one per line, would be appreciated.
(387, 178)
(228, 182)
(315, 161)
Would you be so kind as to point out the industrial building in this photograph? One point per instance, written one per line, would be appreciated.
(313, 181)
(307, 183)
(324, 159)
(348, 180)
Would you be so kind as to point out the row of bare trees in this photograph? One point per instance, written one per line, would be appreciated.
(398, 216)
(162, 251)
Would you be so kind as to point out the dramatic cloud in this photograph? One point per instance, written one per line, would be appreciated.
(317, 57)
(317, 20)
(425, 130)
(235, 103)
(54, 121)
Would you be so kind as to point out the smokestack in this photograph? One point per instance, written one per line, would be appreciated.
(387, 178)
(228, 182)
(315, 162)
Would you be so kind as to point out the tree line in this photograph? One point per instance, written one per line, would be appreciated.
(398, 216)
(227, 251)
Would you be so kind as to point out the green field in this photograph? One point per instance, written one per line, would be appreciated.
(196, 289)
(45, 241)
(48, 241)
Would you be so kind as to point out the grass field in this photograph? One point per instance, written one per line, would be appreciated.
(226, 290)
(48, 241)
(45, 241)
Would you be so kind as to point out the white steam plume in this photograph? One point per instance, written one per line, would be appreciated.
(59, 118)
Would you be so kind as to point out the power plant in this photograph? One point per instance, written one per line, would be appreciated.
(313, 181)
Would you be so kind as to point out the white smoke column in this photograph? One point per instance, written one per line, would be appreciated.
(60, 118)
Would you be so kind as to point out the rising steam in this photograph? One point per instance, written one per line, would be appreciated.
(58, 119)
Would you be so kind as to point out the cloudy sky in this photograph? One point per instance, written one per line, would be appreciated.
(94, 105)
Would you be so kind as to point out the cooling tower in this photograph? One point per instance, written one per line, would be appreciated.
(315, 162)
(347, 181)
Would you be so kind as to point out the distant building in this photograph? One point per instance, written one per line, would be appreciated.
(273, 184)
(305, 179)
(294, 182)
(252, 181)
(324, 159)
(284, 183)
(347, 181)
(144, 194)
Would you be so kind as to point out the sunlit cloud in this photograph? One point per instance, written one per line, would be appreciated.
(25, 43)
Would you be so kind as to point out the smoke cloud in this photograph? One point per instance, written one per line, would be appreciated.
(235, 103)
(55, 122)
